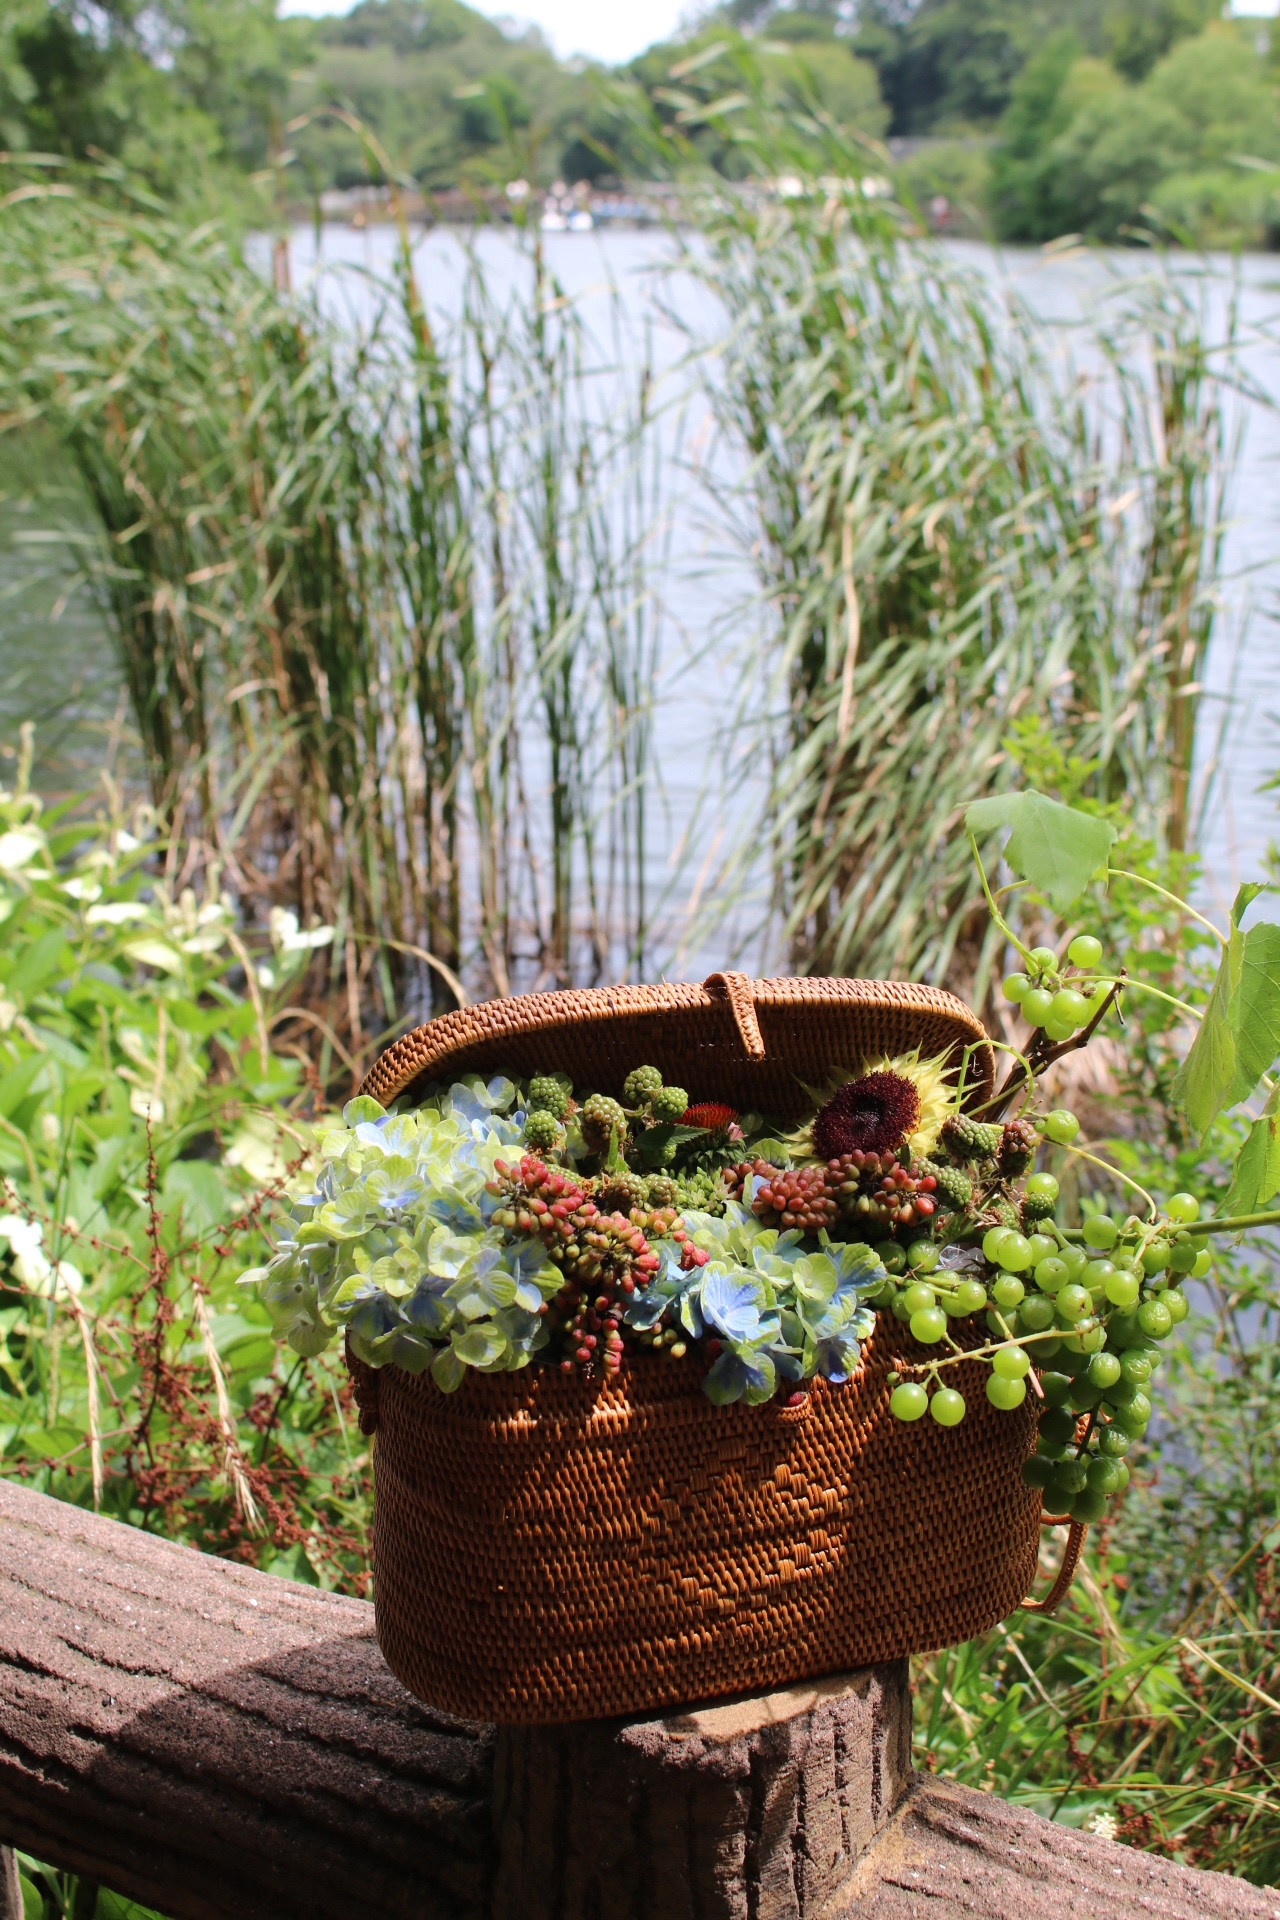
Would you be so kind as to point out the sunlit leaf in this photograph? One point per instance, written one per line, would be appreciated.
(1255, 1178)
(1056, 848)
(1256, 1010)
(1203, 1082)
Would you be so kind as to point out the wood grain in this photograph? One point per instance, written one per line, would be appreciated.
(213, 1741)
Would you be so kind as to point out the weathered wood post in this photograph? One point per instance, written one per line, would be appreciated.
(758, 1807)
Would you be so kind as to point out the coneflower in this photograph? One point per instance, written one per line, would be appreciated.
(714, 1115)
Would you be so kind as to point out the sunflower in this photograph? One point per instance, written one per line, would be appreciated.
(887, 1103)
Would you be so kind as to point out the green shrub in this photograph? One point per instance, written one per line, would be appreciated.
(146, 1121)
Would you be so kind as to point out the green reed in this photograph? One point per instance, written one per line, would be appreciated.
(950, 531)
(365, 589)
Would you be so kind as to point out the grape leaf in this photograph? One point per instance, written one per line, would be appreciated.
(1245, 897)
(1057, 849)
(1255, 1178)
(1205, 1079)
(1256, 1010)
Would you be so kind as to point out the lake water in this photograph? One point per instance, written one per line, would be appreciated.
(61, 672)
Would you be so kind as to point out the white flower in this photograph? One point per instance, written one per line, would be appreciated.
(147, 1106)
(30, 1262)
(69, 1276)
(18, 848)
(1103, 1824)
(8, 1013)
(117, 913)
(81, 888)
(287, 936)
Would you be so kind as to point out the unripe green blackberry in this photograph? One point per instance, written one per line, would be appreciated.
(1018, 1143)
(954, 1184)
(541, 1130)
(548, 1095)
(1005, 1213)
(641, 1085)
(670, 1105)
(601, 1117)
(965, 1139)
(661, 1191)
(1037, 1206)
(621, 1190)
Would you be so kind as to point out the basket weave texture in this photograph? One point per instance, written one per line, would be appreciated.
(754, 1043)
(550, 1548)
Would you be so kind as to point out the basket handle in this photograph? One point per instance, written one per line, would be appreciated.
(1067, 1571)
(736, 989)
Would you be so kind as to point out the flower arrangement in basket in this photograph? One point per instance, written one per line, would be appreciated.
(718, 1336)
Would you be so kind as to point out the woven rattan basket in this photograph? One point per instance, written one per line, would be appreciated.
(548, 1548)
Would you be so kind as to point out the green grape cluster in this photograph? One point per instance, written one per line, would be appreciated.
(1087, 1312)
(1055, 1000)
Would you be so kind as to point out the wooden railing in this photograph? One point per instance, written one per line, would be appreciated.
(224, 1745)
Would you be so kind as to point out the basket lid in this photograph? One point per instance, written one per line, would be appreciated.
(754, 1043)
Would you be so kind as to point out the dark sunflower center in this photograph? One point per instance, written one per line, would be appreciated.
(871, 1115)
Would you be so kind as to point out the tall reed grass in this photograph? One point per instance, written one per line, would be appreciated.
(951, 530)
(389, 605)
(375, 598)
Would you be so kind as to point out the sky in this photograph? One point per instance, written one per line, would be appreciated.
(609, 30)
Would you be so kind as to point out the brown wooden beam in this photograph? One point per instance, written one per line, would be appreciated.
(223, 1745)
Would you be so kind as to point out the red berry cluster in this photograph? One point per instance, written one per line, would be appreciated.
(605, 1257)
(869, 1189)
(797, 1198)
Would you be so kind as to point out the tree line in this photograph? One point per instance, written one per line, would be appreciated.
(1026, 118)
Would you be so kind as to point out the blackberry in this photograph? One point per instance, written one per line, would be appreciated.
(669, 1105)
(620, 1191)
(661, 1191)
(600, 1118)
(1036, 1206)
(965, 1139)
(1003, 1213)
(640, 1086)
(548, 1095)
(953, 1184)
(1017, 1152)
(541, 1130)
